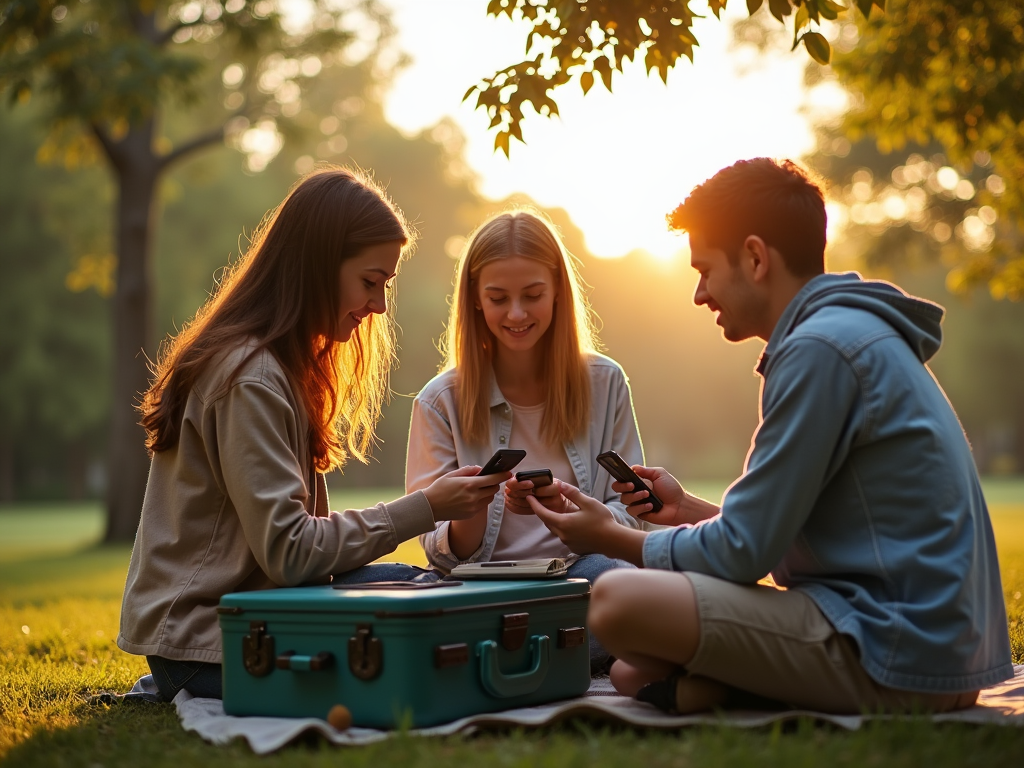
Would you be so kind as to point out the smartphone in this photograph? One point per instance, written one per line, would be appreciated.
(624, 473)
(539, 477)
(503, 460)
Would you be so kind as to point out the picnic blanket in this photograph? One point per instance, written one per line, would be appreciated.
(1002, 704)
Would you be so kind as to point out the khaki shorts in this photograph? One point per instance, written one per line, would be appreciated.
(777, 644)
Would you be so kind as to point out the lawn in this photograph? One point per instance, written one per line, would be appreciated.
(59, 603)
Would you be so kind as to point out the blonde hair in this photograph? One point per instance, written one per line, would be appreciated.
(469, 344)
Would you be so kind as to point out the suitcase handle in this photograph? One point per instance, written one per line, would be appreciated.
(503, 686)
(301, 663)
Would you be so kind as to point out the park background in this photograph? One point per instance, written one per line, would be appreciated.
(606, 170)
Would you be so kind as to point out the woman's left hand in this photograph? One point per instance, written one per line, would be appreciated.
(517, 492)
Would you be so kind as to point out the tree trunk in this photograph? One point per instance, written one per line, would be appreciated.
(6, 470)
(137, 170)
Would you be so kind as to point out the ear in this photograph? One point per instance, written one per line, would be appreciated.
(756, 256)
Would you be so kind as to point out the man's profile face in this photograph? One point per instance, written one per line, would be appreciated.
(724, 288)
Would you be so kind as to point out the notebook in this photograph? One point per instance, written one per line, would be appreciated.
(547, 568)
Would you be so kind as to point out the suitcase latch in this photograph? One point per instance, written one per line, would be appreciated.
(572, 637)
(513, 630)
(258, 650)
(365, 653)
(451, 655)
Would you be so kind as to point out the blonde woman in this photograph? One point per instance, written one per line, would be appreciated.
(521, 370)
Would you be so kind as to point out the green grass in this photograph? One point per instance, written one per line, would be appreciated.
(59, 606)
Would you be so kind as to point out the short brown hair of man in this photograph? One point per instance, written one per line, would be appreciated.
(775, 200)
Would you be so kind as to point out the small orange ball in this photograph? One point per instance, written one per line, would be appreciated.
(339, 717)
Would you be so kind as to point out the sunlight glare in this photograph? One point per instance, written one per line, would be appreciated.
(617, 163)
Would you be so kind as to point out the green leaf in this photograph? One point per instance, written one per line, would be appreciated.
(587, 81)
(780, 8)
(865, 6)
(469, 92)
(501, 142)
(818, 47)
(603, 69)
(753, 6)
(802, 18)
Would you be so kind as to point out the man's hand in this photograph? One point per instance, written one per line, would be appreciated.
(517, 492)
(462, 493)
(588, 526)
(678, 508)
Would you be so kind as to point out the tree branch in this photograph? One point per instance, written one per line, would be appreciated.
(164, 37)
(192, 145)
(105, 141)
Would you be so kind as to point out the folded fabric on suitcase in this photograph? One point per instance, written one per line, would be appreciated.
(1001, 704)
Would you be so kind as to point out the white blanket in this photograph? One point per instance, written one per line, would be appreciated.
(1000, 705)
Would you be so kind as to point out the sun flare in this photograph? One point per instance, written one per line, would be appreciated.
(617, 163)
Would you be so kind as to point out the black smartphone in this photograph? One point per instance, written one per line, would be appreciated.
(503, 460)
(621, 471)
(539, 477)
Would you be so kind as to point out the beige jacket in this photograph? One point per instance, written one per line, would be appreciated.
(237, 506)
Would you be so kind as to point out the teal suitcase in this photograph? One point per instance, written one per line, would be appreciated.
(403, 654)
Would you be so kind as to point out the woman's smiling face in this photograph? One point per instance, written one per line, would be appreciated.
(517, 297)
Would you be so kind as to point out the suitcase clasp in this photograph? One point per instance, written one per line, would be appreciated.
(513, 630)
(452, 655)
(365, 653)
(258, 650)
(572, 637)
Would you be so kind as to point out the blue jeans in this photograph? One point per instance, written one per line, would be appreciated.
(201, 679)
(590, 567)
(386, 572)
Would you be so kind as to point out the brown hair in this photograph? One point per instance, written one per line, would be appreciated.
(777, 201)
(284, 293)
(469, 346)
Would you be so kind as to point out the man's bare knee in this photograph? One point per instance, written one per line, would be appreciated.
(645, 613)
(607, 602)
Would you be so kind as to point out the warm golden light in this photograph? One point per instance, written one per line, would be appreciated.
(618, 163)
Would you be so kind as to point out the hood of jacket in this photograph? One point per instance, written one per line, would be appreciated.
(919, 321)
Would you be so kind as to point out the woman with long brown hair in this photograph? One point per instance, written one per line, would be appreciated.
(521, 370)
(278, 379)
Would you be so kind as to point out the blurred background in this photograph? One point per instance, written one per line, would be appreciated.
(257, 93)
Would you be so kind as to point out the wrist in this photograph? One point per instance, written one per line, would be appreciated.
(625, 544)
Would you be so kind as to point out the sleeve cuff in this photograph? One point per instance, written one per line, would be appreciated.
(657, 552)
(410, 516)
(622, 517)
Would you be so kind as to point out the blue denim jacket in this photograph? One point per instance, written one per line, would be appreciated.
(860, 490)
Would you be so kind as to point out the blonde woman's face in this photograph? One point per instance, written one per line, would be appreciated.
(517, 298)
(364, 279)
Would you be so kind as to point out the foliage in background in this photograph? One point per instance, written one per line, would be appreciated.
(54, 340)
(586, 41)
(108, 74)
(948, 73)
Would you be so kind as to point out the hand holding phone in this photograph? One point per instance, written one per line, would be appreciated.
(621, 471)
(503, 460)
(541, 487)
(539, 477)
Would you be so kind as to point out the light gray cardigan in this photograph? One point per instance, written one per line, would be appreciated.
(437, 445)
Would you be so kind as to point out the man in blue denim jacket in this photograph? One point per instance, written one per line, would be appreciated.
(859, 495)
